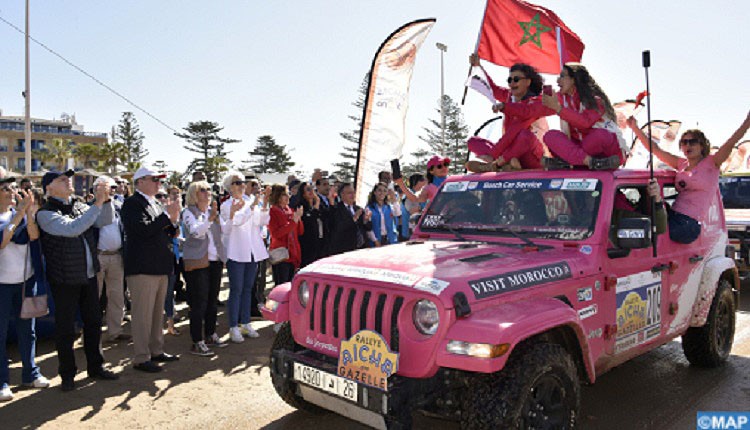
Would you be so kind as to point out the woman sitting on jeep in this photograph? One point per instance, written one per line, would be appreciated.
(589, 135)
(519, 147)
(697, 177)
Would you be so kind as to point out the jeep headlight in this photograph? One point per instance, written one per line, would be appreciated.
(303, 293)
(426, 317)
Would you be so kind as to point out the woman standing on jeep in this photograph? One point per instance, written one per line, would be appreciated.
(519, 147)
(589, 135)
(697, 176)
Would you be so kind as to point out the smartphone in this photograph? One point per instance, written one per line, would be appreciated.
(396, 169)
(547, 89)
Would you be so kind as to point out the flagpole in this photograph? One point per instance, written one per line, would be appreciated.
(646, 60)
(476, 49)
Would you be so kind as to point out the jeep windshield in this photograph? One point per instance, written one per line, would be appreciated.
(532, 208)
(735, 191)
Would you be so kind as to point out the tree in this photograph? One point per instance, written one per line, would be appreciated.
(203, 138)
(270, 157)
(345, 169)
(129, 134)
(113, 155)
(421, 157)
(456, 133)
(87, 153)
(54, 155)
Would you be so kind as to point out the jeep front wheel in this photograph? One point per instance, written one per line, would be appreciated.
(709, 346)
(538, 388)
(284, 387)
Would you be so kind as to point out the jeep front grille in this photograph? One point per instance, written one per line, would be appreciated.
(338, 312)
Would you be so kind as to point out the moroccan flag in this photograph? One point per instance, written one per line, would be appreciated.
(514, 31)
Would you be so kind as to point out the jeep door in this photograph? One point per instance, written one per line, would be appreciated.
(636, 286)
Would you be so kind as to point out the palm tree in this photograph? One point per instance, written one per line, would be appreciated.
(87, 152)
(56, 154)
(113, 155)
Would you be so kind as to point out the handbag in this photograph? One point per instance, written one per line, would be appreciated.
(195, 263)
(33, 306)
(277, 255)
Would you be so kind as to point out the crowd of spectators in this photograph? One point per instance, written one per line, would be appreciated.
(130, 250)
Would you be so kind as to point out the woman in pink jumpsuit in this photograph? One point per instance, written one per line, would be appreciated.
(519, 146)
(589, 135)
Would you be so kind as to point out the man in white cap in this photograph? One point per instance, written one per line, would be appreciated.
(149, 228)
(109, 252)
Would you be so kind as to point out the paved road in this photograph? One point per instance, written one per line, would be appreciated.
(658, 390)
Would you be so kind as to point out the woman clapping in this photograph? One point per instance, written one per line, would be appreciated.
(241, 221)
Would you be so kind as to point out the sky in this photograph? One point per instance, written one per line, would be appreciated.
(292, 69)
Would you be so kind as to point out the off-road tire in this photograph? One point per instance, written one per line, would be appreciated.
(285, 387)
(537, 374)
(710, 345)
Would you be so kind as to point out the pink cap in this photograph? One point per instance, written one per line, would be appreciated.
(437, 160)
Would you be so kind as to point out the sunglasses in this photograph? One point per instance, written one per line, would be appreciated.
(203, 190)
(161, 196)
(516, 78)
(113, 187)
(439, 166)
(238, 183)
(693, 141)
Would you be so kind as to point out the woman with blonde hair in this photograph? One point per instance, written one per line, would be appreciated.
(202, 254)
(241, 221)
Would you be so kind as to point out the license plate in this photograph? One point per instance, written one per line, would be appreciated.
(325, 381)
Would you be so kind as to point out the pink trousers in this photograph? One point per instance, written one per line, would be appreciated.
(598, 143)
(525, 147)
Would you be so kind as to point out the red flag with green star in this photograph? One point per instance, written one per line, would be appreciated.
(514, 31)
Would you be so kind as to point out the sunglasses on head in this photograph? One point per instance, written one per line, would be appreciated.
(238, 183)
(693, 141)
(515, 78)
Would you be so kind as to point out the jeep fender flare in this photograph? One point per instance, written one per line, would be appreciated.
(280, 295)
(512, 323)
(713, 270)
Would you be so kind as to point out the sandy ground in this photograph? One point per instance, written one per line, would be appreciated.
(233, 390)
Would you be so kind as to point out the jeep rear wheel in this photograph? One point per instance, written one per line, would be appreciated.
(284, 387)
(538, 388)
(709, 346)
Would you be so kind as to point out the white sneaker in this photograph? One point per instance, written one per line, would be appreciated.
(215, 342)
(235, 335)
(249, 331)
(40, 382)
(200, 348)
(5, 393)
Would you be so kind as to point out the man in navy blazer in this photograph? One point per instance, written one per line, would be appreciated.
(149, 228)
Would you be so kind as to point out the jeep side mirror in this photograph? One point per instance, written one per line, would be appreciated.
(634, 233)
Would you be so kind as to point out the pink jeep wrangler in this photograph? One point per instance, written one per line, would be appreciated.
(514, 289)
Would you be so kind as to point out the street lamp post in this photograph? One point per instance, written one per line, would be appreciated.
(443, 48)
(27, 97)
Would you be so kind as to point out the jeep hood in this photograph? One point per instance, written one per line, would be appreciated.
(443, 268)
